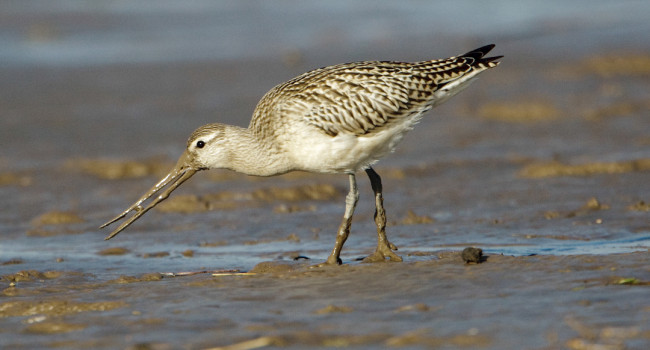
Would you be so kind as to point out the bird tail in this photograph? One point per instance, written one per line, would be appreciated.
(478, 55)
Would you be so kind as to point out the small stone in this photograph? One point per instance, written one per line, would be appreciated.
(472, 255)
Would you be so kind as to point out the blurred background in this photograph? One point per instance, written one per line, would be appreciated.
(67, 33)
(166, 66)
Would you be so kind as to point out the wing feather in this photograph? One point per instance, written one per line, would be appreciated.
(362, 97)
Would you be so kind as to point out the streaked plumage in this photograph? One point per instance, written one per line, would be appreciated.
(336, 119)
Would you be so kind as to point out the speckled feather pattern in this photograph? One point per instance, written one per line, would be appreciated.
(362, 97)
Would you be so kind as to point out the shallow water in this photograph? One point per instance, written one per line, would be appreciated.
(543, 163)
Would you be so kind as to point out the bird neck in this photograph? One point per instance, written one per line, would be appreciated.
(250, 155)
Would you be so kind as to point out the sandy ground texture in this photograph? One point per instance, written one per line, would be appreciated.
(543, 164)
(575, 302)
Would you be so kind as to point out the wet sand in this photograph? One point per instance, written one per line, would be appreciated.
(543, 163)
(440, 302)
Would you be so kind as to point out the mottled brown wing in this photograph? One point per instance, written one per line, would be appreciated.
(358, 98)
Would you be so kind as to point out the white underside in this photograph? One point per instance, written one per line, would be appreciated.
(313, 151)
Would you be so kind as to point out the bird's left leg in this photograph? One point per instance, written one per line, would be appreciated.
(384, 247)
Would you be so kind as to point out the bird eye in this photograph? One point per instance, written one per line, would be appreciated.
(200, 144)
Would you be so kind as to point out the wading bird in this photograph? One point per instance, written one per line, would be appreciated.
(339, 119)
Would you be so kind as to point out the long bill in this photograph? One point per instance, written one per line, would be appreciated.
(181, 172)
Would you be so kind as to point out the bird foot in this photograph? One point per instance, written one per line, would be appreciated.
(329, 262)
(382, 253)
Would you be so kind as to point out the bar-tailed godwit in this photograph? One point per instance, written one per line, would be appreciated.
(339, 119)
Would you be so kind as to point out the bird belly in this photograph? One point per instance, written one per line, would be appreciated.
(343, 153)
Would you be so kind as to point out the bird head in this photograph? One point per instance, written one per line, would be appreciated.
(203, 152)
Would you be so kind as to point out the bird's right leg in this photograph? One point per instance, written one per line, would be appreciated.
(384, 247)
(344, 229)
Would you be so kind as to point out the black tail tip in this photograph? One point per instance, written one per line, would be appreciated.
(477, 54)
